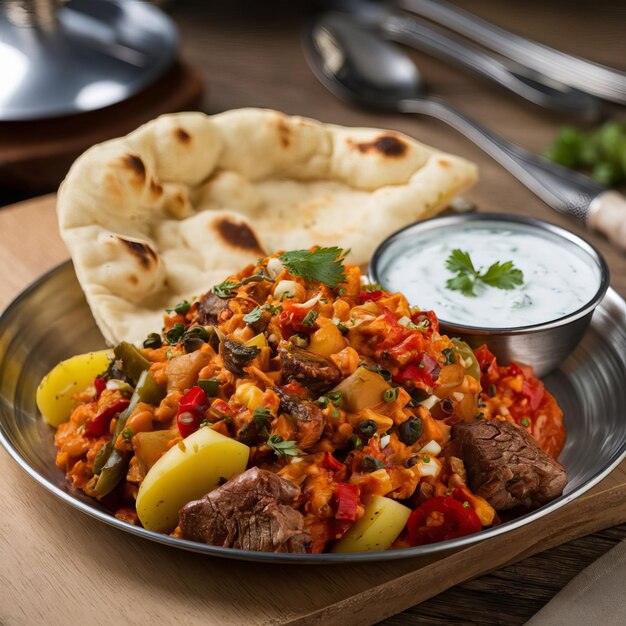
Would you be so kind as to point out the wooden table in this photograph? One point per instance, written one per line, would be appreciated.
(256, 61)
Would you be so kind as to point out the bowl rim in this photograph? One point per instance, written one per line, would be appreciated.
(444, 221)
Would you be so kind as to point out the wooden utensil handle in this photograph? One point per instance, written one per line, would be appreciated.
(607, 214)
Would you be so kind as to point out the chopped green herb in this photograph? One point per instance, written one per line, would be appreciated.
(335, 414)
(342, 328)
(169, 355)
(357, 442)
(205, 422)
(226, 289)
(369, 287)
(127, 433)
(182, 308)
(341, 291)
(210, 386)
(466, 504)
(336, 397)
(449, 354)
(274, 309)
(323, 264)
(262, 418)
(173, 335)
(525, 422)
(254, 315)
(323, 401)
(283, 448)
(479, 416)
(425, 458)
(390, 395)
(309, 318)
(500, 275)
(153, 341)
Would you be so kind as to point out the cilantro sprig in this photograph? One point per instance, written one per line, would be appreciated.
(500, 275)
(323, 264)
(283, 448)
(226, 289)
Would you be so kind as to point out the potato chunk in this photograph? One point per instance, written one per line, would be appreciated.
(56, 390)
(379, 527)
(187, 472)
(362, 390)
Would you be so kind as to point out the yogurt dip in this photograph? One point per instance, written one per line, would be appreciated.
(559, 276)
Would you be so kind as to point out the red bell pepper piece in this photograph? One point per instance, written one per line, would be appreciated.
(294, 388)
(100, 385)
(426, 370)
(373, 296)
(190, 411)
(347, 498)
(433, 321)
(394, 331)
(488, 366)
(439, 519)
(331, 463)
(99, 425)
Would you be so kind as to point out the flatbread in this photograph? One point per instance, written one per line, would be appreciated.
(186, 200)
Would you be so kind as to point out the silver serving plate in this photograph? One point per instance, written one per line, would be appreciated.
(50, 322)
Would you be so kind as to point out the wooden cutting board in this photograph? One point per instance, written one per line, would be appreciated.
(61, 566)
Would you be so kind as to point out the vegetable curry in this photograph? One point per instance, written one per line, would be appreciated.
(299, 367)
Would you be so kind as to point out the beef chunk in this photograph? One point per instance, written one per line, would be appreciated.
(209, 309)
(306, 416)
(251, 511)
(505, 465)
(311, 370)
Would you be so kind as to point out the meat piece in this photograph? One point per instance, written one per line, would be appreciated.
(307, 417)
(237, 355)
(311, 370)
(182, 371)
(209, 309)
(250, 512)
(505, 465)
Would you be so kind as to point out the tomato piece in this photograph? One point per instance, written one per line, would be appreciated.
(394, 331)
(99, 425)
(534, 391)
(290, 320)
(488, 366)
(439, 519)
(347, 498)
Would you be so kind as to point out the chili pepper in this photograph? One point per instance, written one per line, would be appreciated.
(190, 410)
(100, 385)
(134, 362)
(441, 518)
(347, 498)
(331, 463)
(485, 512)
(112, 473)
(147, 390)
(99, 425)
(221, 409)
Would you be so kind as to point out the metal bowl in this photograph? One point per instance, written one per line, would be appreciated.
(543, 346)
(51, 321)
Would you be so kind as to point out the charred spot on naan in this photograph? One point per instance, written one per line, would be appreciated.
(387, 145)
(135, 165)
(144, 254)
(237, 235)
(182, 135)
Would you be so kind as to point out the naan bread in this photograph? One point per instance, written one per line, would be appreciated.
(186, 200)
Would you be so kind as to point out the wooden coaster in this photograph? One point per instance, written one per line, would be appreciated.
(35, 156)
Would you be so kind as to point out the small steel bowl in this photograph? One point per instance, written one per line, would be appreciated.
(543, 346)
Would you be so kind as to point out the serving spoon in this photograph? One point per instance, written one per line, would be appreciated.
(360, 67)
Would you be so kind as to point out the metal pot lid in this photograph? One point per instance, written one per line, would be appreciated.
(60, 58)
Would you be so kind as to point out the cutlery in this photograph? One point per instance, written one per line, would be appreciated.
(360, 67)
(426, 37)
(599, 80)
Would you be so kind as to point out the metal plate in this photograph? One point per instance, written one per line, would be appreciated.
(50, 321)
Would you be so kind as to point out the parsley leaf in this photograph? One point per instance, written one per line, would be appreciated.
(449, 354)
(283, 448)
(253, 316)
(323, 264)
(500, 275)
